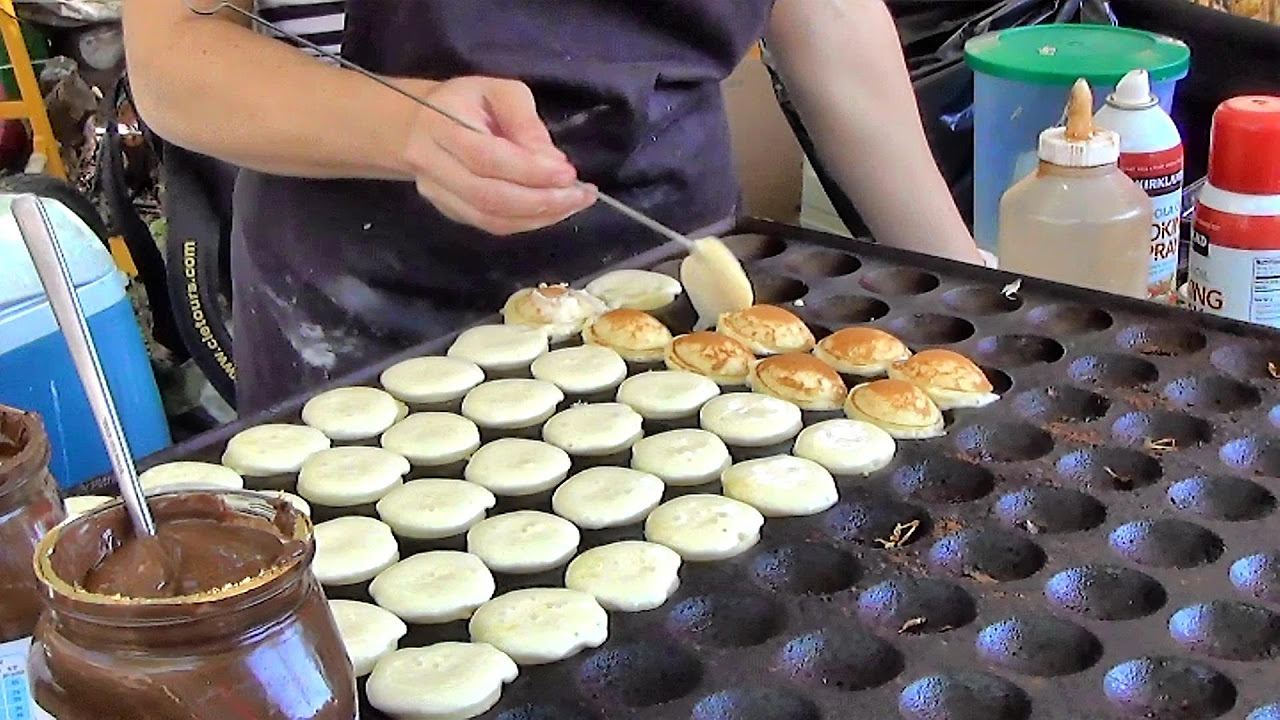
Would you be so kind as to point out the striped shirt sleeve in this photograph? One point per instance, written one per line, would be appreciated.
(318, 21)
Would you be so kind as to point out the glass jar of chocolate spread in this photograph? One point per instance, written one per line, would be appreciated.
(29, 508)
(217, 616)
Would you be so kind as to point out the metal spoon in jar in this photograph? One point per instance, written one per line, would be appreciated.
(51, 266)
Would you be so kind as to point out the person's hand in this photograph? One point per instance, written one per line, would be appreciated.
(508, 179)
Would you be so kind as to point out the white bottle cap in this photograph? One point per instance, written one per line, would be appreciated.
(1081, 143)
(1133, 92)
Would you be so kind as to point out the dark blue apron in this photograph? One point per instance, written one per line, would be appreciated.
(332, 275)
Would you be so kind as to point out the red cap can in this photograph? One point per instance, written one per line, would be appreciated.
(1244, 153)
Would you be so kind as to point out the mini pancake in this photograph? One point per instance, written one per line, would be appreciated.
(898, 407)
(628, 576)
(349, 476)
(272, 449)
(767, 330)
(352, 550)
(781, 486)
(667, 394)
(515, 467)
(801, 379)
(431, 380)
(433, 439)
(434, 508)
(582, 370)
(78, 505)
(445, 681)
(715, 280)
(751, 420)
(846, 447)
(523, 542)
(500, 348)
(537, 626)
(353, 413)
(435, 587)
(950, 379)
(511, 404)
(368, 632)
(702, 528)
(682, 458)
(635, 335)
(556, 309)
(606, 497)
(636, 289)
(594, 430)
(712, 354)
(188, 474)
(861, 351)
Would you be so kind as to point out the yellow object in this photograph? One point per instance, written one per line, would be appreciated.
(120, 253)
(30, 106)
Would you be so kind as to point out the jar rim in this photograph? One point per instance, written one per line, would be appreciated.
(31, 457)
(243, 502)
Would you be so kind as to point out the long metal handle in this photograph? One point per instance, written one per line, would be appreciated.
(51, 266)
(621, 207)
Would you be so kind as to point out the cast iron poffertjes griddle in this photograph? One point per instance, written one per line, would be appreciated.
(1101, 543)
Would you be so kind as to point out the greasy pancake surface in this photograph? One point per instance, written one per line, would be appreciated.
(799, 378)
(861, 349)
(944, 370)
(767, 329)
(713, 354)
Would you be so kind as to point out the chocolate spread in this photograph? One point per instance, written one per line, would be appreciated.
(29, 507)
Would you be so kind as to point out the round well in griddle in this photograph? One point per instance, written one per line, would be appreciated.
(1211, 394)
(1227, 630)
(1015, 351)
(1105, 592)
(748, 247)
(756, 703)
(738, 619)
(845, 658)
(1161, 430)
(1050, 510)
(1266, 712)
(1246, 360)
(805, 569)
(1003, 441)
(1066, 319)
(1161, 339)
(987, 555)
(1222, 497)
(964, 696)
(556, 711)
(922, 329)
(1109, 468)
(1258, 576)
(940, 479)
(1061, 403)
(851, 309)
(916, 606)
(1113, 370)
(1259, 454)
(1166, 543)
(1039, 645)
(639, 674)
(1166, 688)
(777, 289)
(981, 300)
(820, 263)
(876, 522)
(900, 281)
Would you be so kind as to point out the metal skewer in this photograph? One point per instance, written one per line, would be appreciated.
(51, 266)
(619, 206)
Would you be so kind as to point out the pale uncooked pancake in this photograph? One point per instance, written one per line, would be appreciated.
(592, 430)
(903, 410)
(427, 380)
(368, 632)
(605, 497)
(767, 330)
(188, 474)
(581, 370)
(78, 505)
(715, 281)
(353, 413)
(636, 289)
(682, 458)
(667, 394)
(751, 420)
(351, 550)
(541, 625)
(430, 439)
(557, 310)
(434, 587)
(445, 681)
(434, 508)
(781, 486)
(272, 449)
(705, 527)
(950, 379)
(514, 403)
(629, 576)
(347, 476)
(523, 542)
(517, 467)
(846, 447)
(500, 348)
(298, 503)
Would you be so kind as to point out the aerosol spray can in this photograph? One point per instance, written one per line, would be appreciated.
(1151, 153)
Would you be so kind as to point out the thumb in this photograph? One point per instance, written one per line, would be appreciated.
(515, 115)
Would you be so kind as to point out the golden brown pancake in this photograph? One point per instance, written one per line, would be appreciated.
(949, 378)
(861, 351)
(799, 378)
(767, 330)
(900, 408)
(711, 354)
(635, 335)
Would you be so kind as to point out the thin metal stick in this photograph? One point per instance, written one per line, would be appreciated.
(619, 206)
(51, 266)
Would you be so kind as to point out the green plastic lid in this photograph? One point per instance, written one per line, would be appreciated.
(1061, 54)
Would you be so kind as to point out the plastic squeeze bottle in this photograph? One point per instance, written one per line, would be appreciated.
(1234, 266)
(1151, 154)
(1078, 219)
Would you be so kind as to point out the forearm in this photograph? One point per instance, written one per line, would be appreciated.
(218, 88)
(844, 70)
